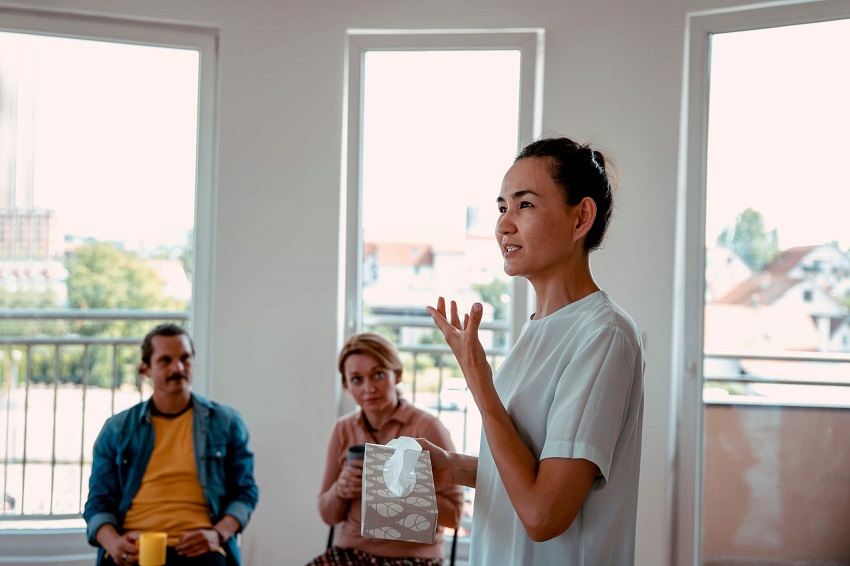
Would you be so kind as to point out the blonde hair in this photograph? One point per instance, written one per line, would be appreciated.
(374, 346)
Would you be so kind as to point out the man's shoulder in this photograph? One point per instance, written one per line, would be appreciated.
(215, 405)
(123, 424)
(133, 414)
(217, 411)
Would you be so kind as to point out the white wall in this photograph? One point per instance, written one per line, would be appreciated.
(613, 74)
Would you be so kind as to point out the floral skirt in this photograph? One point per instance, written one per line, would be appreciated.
(337, 556)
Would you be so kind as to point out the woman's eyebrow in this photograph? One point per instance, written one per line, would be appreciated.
(518, 194)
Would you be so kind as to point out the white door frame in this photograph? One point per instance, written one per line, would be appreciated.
(689, 284)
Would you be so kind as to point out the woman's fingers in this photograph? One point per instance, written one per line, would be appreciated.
(455, 318)
(441, 306)
(444, 321)
(439, 320)
(459, 336)
(474, 317)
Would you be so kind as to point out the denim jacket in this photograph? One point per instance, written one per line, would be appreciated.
(123, 449)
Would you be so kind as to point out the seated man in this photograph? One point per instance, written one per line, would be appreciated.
(176, 463)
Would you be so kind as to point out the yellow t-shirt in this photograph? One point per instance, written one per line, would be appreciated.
(170, 498)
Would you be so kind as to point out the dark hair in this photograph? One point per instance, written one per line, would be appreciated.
(374, 345)
(166, 329)
(580, 172)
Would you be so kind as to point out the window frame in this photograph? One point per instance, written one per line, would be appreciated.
(205, 41)
(528, 41)
(689, 283)
(60, 540)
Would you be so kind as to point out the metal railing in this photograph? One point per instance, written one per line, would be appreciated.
(55, 394)
(762, 372)
(775, 426)
(41, 409)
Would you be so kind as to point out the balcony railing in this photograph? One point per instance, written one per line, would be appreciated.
(780, 378)
(51, 412)
(775, 476)
(55, 394)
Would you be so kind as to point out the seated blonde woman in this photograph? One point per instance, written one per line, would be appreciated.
(370, 368)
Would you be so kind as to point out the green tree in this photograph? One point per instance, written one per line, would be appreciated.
(101, 276)
(492, 294)
(30, 300)
(755, 245)
(435, 337)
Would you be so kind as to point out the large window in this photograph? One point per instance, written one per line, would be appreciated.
(434, 122)
(105, 208)
(762, 467)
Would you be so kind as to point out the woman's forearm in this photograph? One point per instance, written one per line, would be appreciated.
(546, 495)
(464, 469)
(332, 508)
(516, 464)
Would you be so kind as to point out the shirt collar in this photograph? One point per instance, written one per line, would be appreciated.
(198, 403)
(403, 413)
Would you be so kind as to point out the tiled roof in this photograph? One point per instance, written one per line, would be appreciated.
(390, 254)
(787, 260)
(764, 287)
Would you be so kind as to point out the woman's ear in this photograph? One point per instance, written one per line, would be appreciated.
(397, 376)
(585, 215)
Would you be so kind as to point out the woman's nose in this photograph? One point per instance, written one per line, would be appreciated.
(505, 225)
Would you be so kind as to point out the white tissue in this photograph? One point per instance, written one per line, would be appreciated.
(399, 475)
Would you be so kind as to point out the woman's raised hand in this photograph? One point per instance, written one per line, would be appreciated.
(464, 342)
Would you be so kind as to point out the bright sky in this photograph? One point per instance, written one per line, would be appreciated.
(440, 132)
(779, 131)
(115, 136)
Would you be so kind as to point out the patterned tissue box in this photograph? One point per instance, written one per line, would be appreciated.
(412, 518)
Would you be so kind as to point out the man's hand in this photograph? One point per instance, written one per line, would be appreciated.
(196, 543)
(122, 548)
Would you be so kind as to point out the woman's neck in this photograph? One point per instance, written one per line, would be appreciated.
(375, 421)
(560, 289)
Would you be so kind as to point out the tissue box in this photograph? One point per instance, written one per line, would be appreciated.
(412, 518)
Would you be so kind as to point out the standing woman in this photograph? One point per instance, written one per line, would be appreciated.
(557, 473)
(371, 369)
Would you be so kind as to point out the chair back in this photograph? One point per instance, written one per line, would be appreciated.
(330, 538)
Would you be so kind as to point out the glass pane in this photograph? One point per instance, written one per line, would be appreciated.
(440, 130)
(777, 305)
(98, 146)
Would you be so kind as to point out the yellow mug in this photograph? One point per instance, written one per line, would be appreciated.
(152, 548)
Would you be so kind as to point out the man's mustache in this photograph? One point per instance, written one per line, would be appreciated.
(175, 377)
